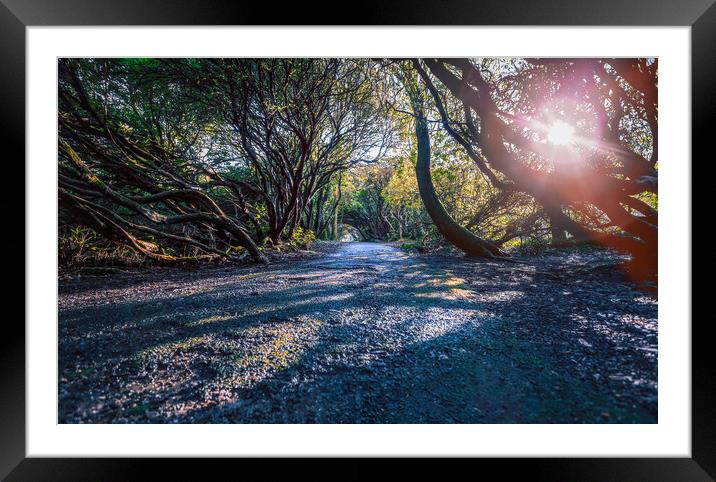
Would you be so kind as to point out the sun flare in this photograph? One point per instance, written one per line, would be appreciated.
(560, 133)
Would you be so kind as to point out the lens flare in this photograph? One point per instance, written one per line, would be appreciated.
(560, 133)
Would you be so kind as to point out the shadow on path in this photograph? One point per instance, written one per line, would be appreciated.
(368, 334)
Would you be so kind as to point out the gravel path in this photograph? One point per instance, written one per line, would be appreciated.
(365, 334)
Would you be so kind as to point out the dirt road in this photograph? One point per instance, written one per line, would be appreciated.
(366, 333)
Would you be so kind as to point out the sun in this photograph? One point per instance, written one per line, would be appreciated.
(560, 133)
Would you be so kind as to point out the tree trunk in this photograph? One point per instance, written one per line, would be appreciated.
(557, 228)
(446, 225)
(319, 211)
(338, 207)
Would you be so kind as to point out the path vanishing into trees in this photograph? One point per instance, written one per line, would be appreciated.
(362, 333)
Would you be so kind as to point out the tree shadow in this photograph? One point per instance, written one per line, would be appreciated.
(425, 341)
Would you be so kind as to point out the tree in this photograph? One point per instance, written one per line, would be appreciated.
(179, 158)
(127, 166)
(365, 207)
(598, 187)
(296, 123)
(456, 234)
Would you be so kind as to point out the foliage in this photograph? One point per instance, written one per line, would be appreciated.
(303, 237)
(203, 155)
(177, 159)
(587, 183)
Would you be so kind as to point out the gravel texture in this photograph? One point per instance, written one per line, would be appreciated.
(362, 333)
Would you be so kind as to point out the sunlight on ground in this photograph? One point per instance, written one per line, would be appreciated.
(441, 325)
(238, 358)
(265, 359)
(211, 319)
(502, 295)
(449, 287)
(169, 349)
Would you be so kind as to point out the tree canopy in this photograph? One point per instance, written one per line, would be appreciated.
(190, 159)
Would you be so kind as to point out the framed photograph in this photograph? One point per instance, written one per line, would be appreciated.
(430, 230)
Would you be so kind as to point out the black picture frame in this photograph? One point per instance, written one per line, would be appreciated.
(16, 15)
